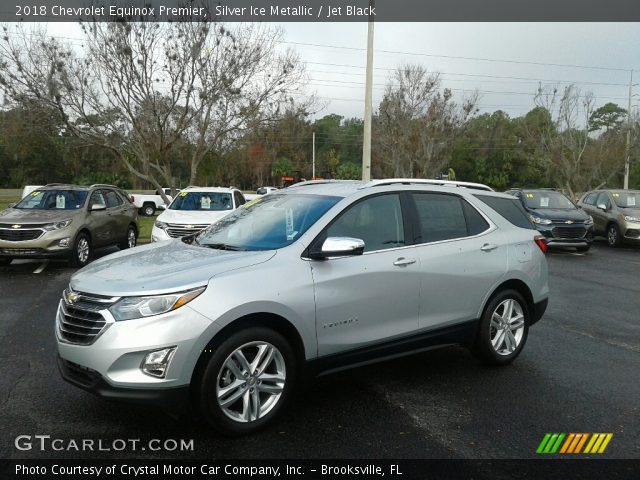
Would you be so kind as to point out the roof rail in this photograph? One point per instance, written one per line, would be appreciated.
(319, 182)
(427, 181)
(56, 184)
(103, 185)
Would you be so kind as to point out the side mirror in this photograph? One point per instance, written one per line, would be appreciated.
(97, 207)
(339, 247)
(602, 207)
(162, 207)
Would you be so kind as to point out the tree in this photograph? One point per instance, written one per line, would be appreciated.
(416, 122)
(610, 116)
(139, 88)
(349, 171)
(282, 167)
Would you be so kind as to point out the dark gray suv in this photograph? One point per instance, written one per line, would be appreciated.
(67, 221)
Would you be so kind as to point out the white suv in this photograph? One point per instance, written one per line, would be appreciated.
(355, 272)
(194, 209)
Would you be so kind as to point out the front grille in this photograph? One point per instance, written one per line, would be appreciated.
(17, 252)
(176, 231)
(569, 233)
(79, 318)
(20, 234)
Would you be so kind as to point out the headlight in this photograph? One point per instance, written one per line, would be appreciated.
(589, 221)
(130, 308)
(540, 221)
(57, 226)
(160, 225)
(632, 219)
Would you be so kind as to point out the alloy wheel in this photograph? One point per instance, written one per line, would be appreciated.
(507, 326)
(131, 238)
(82, 250)
(251, 381)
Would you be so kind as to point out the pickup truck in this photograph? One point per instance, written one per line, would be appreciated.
(148, 204)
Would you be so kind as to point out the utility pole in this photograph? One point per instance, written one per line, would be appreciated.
(313, 157)
(366, 141)
(627, 150)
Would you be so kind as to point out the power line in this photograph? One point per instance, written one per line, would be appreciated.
(456, 57)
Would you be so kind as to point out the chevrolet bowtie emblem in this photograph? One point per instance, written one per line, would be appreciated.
(16, 226)
(569, 222)
(189, 226)
(71, 297)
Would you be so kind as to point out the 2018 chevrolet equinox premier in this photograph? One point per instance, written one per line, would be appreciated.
(315, 277)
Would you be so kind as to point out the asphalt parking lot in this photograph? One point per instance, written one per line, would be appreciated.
(578, 373)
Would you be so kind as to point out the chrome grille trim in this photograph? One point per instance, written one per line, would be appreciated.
(81, 321)
(572, 233)
(177, 230)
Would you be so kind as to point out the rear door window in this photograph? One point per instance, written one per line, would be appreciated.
(446, 217)
(511, 210)
(113, 200)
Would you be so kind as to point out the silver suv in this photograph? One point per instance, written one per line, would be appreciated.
(309, 279)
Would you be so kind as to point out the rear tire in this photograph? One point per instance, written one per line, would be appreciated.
(613, 236)
(131, 240)
(148, 209)
(503, 329)
(237, 397)
(81, 254)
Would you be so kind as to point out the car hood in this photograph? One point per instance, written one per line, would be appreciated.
(559, 214)
(160, 268)
(632, 212)
(21, 216)
(196, 217)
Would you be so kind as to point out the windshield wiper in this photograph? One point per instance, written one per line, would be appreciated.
(222, 246)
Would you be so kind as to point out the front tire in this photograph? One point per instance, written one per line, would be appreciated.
(81, 254)
(503, 329)
(246, 381)
(613, 236)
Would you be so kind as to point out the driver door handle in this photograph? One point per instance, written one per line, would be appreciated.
(487, 247)
(403, 262)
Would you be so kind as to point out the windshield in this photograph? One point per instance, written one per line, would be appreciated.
(53, 200)
(627, 199)
(542, 200)
(203, 201)
(269, 222)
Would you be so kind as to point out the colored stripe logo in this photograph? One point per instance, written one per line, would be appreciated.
(573, 443)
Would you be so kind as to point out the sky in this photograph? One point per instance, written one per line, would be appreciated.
(335, 58)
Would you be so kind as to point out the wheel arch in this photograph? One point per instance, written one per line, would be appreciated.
(261, 319)
(512, 284)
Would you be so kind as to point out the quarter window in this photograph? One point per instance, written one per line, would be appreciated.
(445, 217)
(511, 210)
(376, 220)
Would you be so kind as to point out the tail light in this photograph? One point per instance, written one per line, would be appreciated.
(541, 242)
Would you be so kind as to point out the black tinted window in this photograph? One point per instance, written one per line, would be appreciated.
(239, 199)
(113, 200)
(510, 209)
(444, 217)
(376, 220)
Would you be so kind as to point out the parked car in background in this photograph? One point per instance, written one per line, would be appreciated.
(357, 272)
(148, 204)
(555, 216)
(29, 188)
(266, 190)
(67, 221)
(616, 214)
(194, 209)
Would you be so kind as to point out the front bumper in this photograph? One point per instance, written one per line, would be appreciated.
(567, 235)
(173, 400)
(114, 359)
(47, 245)
(631, 231)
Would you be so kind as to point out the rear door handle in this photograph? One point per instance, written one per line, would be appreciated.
(403, 262)
(487, 247)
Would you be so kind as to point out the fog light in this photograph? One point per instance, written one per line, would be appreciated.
(64, 242)
(156, 363)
